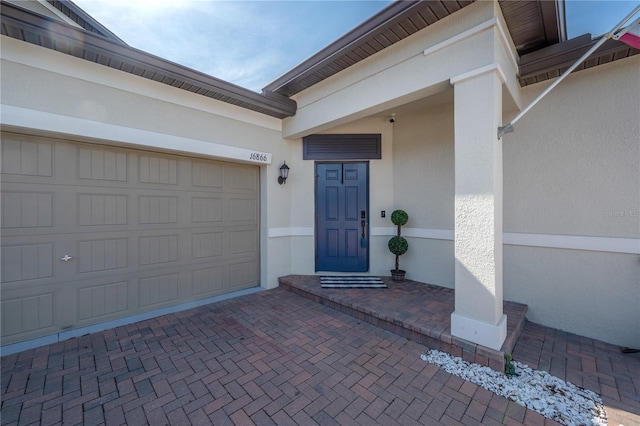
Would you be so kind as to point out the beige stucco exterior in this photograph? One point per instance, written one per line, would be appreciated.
(553, 147)
(572, 169)
(46, 92)
(564, 229)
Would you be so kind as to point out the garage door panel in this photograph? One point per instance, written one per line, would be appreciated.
(207, 245)
(158, 249)
(207, 175)
(100, 164)
(27, 314)
(243, 210)
(241, 177)
(207, 282)
(99, 298)
(158, 289)
(157, 209)
(27, 262)
(159, 170)
(103, 301)
(207, 209)
(143, 231)
(100, 209)
(243, 241)
(27, 209)
(30, 311)
(103, 254)
(241, 275)
(29, 157)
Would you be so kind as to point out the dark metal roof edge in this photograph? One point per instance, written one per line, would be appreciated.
(277, 105)
(550, 21)
(561, 13)
(564, 54)
(87, 19)
(380, 20)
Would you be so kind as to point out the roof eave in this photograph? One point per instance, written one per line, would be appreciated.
(27, 26)
(308, 66)
(550, 62)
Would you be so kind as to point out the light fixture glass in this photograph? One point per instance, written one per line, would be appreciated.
(284, 173)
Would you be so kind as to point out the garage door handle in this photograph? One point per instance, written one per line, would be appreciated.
(66, 258)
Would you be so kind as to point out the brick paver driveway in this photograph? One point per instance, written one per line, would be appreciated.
(268, 358)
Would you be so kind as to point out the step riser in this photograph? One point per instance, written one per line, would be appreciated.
(441, 340)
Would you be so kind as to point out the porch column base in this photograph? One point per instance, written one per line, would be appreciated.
(479, 332)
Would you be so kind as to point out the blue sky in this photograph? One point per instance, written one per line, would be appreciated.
(251, 43)
(596, 17)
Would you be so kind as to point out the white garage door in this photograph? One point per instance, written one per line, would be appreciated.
(91, 233)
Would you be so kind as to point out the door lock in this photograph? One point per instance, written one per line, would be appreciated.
(66, 258)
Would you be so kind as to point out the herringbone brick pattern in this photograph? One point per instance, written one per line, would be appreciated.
(588, 363)
(418, 311)
(268, 358)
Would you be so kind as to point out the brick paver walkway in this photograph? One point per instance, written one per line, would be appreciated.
(588, 363)
(418, 311)
(268, 358)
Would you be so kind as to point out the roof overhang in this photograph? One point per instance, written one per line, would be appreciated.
(30, 27)
(537, 28)
(552, 61)
(396, 22)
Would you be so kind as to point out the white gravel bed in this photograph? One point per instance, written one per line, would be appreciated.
(537, 390)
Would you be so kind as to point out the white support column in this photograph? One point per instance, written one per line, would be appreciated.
(478, 313)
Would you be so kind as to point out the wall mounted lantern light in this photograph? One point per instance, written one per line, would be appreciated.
(284, 173)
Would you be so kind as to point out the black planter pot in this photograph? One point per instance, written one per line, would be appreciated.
(397, 275)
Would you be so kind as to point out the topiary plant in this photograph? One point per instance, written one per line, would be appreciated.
(398, 245)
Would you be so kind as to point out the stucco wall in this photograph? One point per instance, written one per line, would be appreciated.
(402, 72)
(423, 186)
(571, 179)
(577, 155)
(88, 102)
(300, 188)
(572, 169)
(589, 293)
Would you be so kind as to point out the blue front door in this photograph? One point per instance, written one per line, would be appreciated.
(342, 217)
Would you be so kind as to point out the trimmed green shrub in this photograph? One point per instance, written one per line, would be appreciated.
(398, 245)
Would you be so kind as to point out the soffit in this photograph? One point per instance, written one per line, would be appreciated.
(394, 23)
(33, 28)
(552, 61)
(534, 26)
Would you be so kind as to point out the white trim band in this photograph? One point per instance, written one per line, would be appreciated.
(574, 242)
(480, 71)
(431, 234)
(64, 125)
(567, 242)
(486, 25)
(290, 232)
